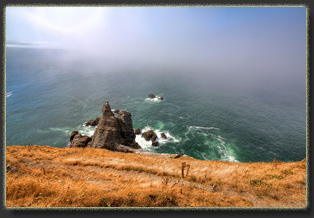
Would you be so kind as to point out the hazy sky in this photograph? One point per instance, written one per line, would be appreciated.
(238, 41)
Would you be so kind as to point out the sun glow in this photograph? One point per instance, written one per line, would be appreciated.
(65, 21)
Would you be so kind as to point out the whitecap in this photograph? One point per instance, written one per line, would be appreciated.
(87, 130)
(9, 94)
(224, 150)
(213, 141)
(83, 130)
(148, 144)
(64, 130)
(201, 127)
(156, 99)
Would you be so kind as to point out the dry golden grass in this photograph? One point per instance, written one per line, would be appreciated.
(43, 176)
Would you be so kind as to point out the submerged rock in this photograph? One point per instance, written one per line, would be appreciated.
(160, 98)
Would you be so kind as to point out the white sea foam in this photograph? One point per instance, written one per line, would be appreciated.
(213, 139)
(201, 127)
(9, 94)
(156, 99)
(84, 130)
(66, 131)
(148, 144)
(224, 150)
(87, 130)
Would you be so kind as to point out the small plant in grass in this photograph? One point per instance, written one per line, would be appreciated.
(274, 176)
(104, 202)
(183, 166)
(287, 172)
(166, 180)
(257, 182)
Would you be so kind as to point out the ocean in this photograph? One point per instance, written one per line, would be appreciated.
(49, 95)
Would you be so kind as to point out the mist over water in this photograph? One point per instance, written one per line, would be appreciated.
(51, 97)
(233, 79)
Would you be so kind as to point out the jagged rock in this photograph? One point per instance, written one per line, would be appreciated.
(152, 96)
(77, 140)
(163, 135)
(154, 143)
(114, 131)
(73, 134)
(137, 131)
(92, 122)
(149, 135)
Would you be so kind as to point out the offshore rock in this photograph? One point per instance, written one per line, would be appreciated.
(152, 96)
(114, 131)
(163, 135)
(149, 135)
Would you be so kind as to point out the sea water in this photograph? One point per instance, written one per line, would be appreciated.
(49, 95)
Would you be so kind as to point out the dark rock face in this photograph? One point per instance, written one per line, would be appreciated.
(149, 135)
(77, 140)
(73, 134)
(113, 131)
(152, 96)
(92, 122)
(137, 131)
(154, 143)
(163, 135)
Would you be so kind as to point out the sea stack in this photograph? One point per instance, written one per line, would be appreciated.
(113, 131)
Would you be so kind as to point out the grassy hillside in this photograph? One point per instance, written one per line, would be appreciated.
(43, 176)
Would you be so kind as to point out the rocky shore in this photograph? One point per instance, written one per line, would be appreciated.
(114, 131)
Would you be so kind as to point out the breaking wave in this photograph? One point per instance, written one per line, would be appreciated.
(9, 94)
(147, 145)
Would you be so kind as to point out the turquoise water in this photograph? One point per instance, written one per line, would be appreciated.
(49, 95)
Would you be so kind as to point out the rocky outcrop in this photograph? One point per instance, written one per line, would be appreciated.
(149, 135)
(92, 122)
(137, 131)
(154, 143)
(77, 140)
(116, 133)
(152, 96)
(163, 135)
(112, 131)
(152, 136)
